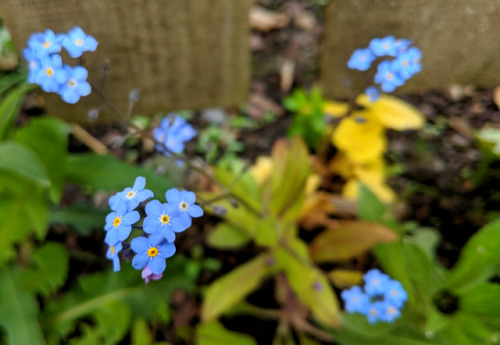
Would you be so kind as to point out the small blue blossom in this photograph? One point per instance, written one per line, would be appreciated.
(356, 301)
(387, 76)
(408, 63)
(33, 62)
(45, 44)
(361, 59)
(372, 93)
(173, 132)
(163, 219)
(384, 46)
(185, 202)
(375, 312)
(76, 42)
(119, 224)
(381, 300)
(395, 294)
(51, 74)
(402, 44)
(375, 282)
(112, 254)
(152, 251)
(76, 85)
(131, 197)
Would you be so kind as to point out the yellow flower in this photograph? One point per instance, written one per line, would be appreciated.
(335, 109)
(262, 169)
(361, 137)
(373, 176)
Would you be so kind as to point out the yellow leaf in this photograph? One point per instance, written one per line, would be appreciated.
(393, 113)
(378, 187)
(262, 169)
(361, 138)
(335, 109)
(345, 278)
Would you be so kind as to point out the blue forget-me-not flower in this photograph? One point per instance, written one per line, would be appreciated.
(131, 197)
(77, 41)
(172, 133)
(185, 202)
(152, 251)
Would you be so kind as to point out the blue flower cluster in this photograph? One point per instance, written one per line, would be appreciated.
(391, 73)
(382, 299)
(172, 133)
(162, 222)
(45, 66)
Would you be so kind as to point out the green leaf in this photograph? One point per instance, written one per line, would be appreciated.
(22, 161)
(482, 300)
(243, 186)
(24, 210)
(266, 231)
(140, 333)
(372, 209)
(82, 217)
(10, 106)
(18, 312)
(49, 271)
(435, 321)
(311, 287)
(348, 239)
(227, 236)
(478, 259)
(213, 333)
(48, 138)
(104, 172)
(234, 286)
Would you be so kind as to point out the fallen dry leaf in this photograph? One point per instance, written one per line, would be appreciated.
(266, 20)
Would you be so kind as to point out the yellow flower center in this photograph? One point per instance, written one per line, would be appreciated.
(130, 194)
(165, 219)
(389, 75)
(405, 63)
(386, 46)
(46, 44)
(117, 221)
(71, 83)
(152, 252)
(391, 310)
(394, 293)
(49, 71)
(112, 249)
(78, 42)
(373, 312)
(183, 205)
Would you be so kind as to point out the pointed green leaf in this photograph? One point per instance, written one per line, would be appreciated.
(234, 286)
(213, 333)
(84, 218)
(22, 161)
(18, 312)
(10, 107)
(48, 138)
(227, 236)
(478, 259)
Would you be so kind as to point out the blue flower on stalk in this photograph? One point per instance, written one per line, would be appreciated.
(387, 76)
(45, 44)
(395, 293)
(152, 251)
(119, 224)
(77, 41)
(51, 73)
(384, 46)
(76, 86)
(356, 301)
(33, 63)
(132, 197)
(164, 219)
(375, 312)
(185, 203)
(173, 132)
(112, 254)
(372, 93)
(361, 59)
(375, 282)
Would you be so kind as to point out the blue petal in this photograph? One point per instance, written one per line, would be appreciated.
(173, 195)
(186, 219)
(140, 261)
(140, 183)
(143, 195)
(156, 239)
(116, 263)
(180, 224)
(195, 211)
(111, 237)
(124, 231)
(157, 265)
(140, 244)
(154, 208)
(80, 73)
(151, 224)
(188, 197)
(131, 218)
(171, 209)
(167, 233)
(167, 250)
